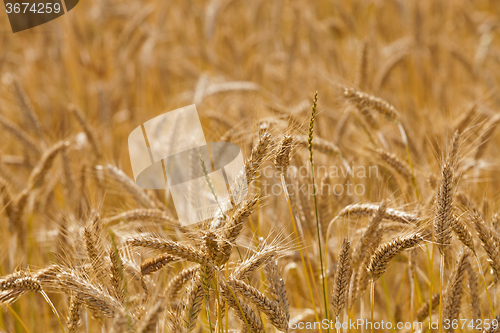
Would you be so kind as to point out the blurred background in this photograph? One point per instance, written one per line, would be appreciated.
(247, 64)
(125, 62)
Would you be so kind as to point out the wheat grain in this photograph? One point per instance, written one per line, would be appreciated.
(362, 210)
(176, 284)
(186, 252)
(257, 260)
(342, 278)
(275, 315)
(444, 207)
(489, 241)
(242, 311)
(94, 247)
(277, 287)
(362, 70)
(74, 313)
(38, 175)
(149, 323)
(423, 311)
(363, 100)
(130, 186)
(395, 163)
(26, 107)
(154, 264)
(194, 298)
(464, 235)
(282, 158)
(156, 215)
(474, 299)
(454, 291)
(320, 145)
(379, 261)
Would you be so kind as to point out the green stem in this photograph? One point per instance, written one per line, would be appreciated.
(388, 302)
(319, 242)
(207, 304)
(300, 246)
(492, 309)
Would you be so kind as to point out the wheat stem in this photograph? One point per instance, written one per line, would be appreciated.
(294, 223)
(311, 133)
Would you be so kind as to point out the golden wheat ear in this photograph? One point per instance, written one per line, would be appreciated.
(455, 290)
(74, 314)
(396, 164)
(23, 137)
(26, 108)
(367, 244)
(95, 250)
(38, 175)
(277, 286)
(63, 280)
(365, 210)
(183, 251)
(342, 279)
(463, 233)
(17, 284)
(259, 259)
(379, 261)
(178, 282)
(194, 297)
(489, 240)
(475, 300)
(423, 311)
(138, 194)
(444, 207)
(276, 316)
(282, 156)
(370, 236)
(232, 229)
(150, 321)
(251, 323)
(363, 100)
(154, 264)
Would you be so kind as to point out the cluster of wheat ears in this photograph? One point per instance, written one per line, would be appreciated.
(84, 249)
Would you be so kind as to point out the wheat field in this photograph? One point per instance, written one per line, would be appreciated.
(371, 159)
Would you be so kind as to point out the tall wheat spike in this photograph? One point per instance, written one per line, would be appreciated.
(342, 278)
